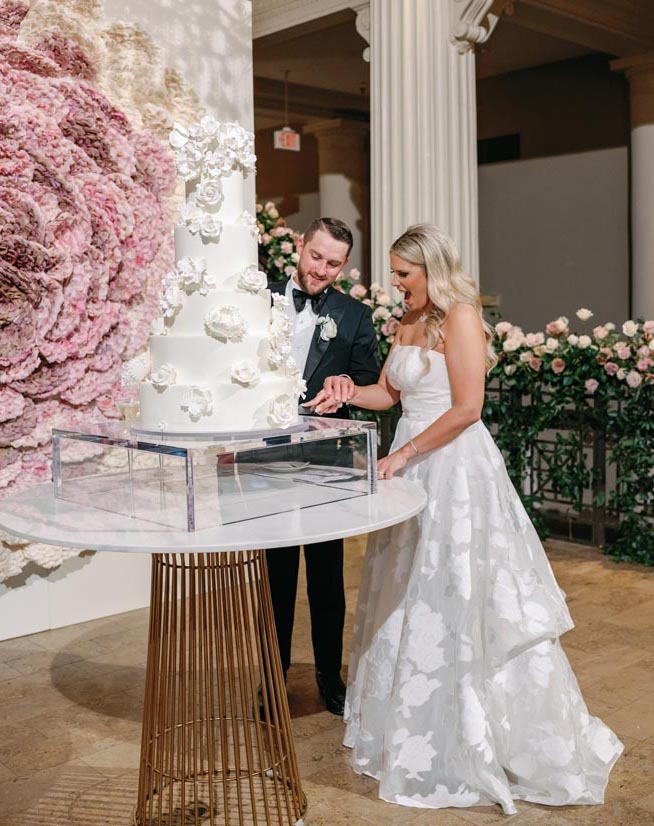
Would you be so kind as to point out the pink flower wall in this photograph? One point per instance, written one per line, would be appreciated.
(85, 238)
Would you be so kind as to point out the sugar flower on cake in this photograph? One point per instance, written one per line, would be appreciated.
(164, 376)
(252, 280)
(280, 350)
(225, 322)
(248, 220)
(170, 302)
(209, 193)
(191, 274)
(136, 369)
(246, 373)
(283, 411)
(328, 328)
(197, 402)
(200, 222)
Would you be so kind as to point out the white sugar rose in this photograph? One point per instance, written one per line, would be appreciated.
(584, 342)
(210, 126)
(218, 164)
(136, 369)
(225, 322)
(197, 402)
(179, 136)
(248, 220)
(328, 328)
(192, 216)
(283, 411)
(246, 373)
(280, 350)
(170, 302)
(252, 280)
(190, 273)
(209, 193)
(584, 314)
(164, 376)
(630, 328)
(211, 226)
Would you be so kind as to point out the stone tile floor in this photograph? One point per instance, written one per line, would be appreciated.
(71, 702)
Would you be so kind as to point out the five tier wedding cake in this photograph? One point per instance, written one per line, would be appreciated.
(220, 354)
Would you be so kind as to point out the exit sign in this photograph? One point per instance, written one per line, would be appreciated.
(287, 138)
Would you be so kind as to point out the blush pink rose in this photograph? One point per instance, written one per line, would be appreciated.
(591, 385)
(611, 368)
(535, 363)
(558, 365)
(634, 379)
(358, 291)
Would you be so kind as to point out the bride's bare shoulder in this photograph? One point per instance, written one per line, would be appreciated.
(462, 316)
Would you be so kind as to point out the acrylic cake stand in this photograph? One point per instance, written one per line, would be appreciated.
(208, 755)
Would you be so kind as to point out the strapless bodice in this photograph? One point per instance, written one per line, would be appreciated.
(423, 391)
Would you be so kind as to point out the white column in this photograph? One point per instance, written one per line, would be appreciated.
(640, 72)
(343, 179)
(423, 121)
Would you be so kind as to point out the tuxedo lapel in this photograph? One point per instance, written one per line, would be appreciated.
(334, 307)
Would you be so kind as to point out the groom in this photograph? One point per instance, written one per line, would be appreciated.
(324, 250)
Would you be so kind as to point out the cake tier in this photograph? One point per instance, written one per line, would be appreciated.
(189, 319)
(201, 359)
(234, 408)
(225, 258)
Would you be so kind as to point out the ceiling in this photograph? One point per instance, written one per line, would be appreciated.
(328, 55)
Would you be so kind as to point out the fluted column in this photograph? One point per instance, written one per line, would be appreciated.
(342, 158)
(423, 121)
(640, 73)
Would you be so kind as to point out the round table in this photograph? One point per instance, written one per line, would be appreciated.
(217, 744)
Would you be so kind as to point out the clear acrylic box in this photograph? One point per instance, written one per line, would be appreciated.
(195, 482)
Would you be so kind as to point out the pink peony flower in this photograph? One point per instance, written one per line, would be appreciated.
(358, 291)
(535, 363)
(591, 385)
(600, 333)
(611, 368)
(502, 328)
(558, 365)
(534, 339)
(634, 379)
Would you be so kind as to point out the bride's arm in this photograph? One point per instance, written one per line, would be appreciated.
(465, 356)
(340, 389)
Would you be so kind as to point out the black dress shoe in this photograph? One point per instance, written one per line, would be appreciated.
(332, 691)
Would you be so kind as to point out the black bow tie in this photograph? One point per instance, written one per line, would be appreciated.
(300, 299)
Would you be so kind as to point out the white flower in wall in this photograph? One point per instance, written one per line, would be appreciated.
(252, 280)
(584, 314)
(209, 193)
(584, 342)
(197, 402)
(328, 328)
(225, 322)
(179, 136)
(248, 220)
(283, 411)
(164, 376)
(246, 373)
(136, 369)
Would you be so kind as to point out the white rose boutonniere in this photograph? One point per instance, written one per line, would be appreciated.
(328, 328)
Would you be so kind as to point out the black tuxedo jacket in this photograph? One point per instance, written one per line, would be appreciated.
(352, 351)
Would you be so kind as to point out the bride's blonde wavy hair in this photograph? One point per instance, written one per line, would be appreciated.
(447, 283)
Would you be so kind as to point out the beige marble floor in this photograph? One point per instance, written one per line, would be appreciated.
(71, 700)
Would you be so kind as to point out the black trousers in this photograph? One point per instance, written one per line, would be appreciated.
(326, 593)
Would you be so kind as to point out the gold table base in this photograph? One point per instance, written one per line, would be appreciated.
(209, 754)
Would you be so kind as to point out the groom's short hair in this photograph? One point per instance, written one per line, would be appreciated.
(338, 230)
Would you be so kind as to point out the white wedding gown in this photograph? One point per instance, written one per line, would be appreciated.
(459, 693)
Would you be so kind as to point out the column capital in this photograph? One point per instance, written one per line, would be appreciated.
(336, 125)
(473, 21)
(639, 70)
(362, 24)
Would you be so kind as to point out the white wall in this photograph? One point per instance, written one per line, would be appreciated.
(554, 236)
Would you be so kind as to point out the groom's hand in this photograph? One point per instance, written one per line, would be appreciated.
(323, 403)
(340, 388)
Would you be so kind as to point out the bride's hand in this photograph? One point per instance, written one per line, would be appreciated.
(323, 403)
(341, 388)
(391, 464)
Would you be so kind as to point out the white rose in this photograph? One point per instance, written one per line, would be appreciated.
(573, 339)
(584, 314)
(211, 226)
(164, 376)
(246, 373)
(526, 356)
(136, 369)
(381, 313)
(283, 411)
(510, 345)
(170, 302)
(252, 280)
(551, 345)
(190, 273)
(584, 342)
(610, 326)
(178, 137)
(383, 299)
(225, 322)
(510, 369)
(209, 193)
(192, 216)
(248, 220)
(621, 374)
(630, 328)
(210, 126)
(197, 402)
(651, 345)
(328, 328)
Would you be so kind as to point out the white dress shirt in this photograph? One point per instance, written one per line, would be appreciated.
(304, 324)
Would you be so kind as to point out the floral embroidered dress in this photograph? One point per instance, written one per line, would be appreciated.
(459, 693)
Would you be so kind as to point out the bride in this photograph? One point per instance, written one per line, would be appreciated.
(459, 693)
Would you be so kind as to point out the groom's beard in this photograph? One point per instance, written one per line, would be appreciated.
(303, 277)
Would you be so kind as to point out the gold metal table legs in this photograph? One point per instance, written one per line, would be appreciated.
(215, 749)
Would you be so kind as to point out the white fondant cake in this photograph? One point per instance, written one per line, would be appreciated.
(220, 353)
